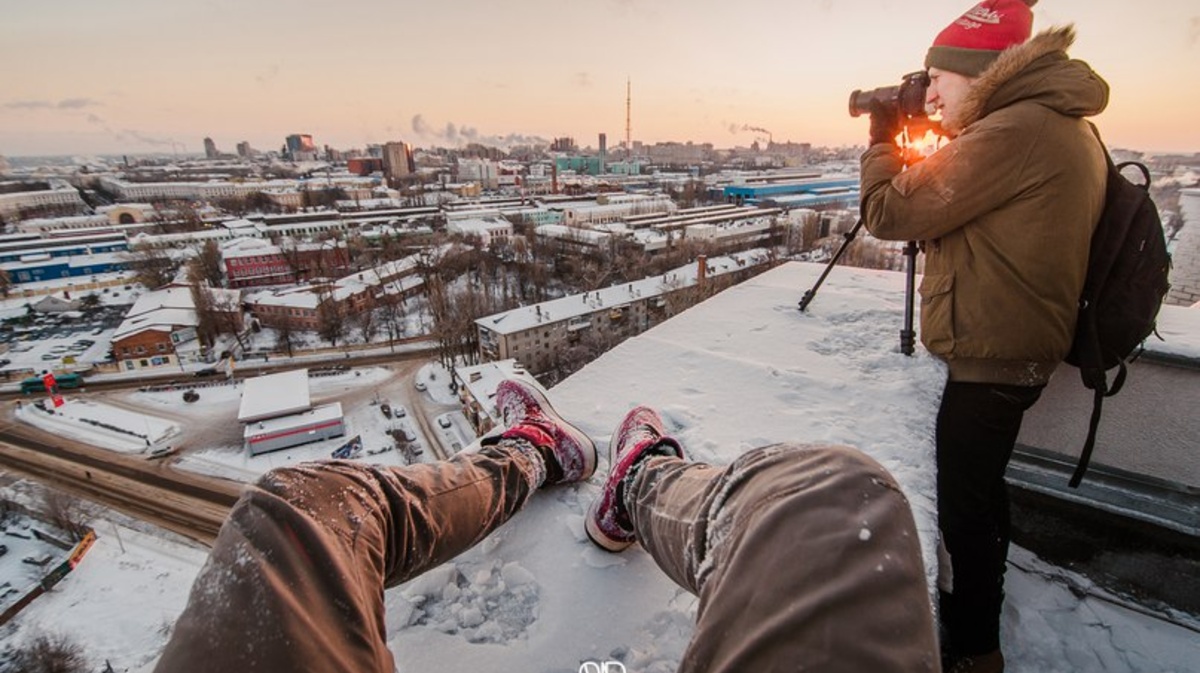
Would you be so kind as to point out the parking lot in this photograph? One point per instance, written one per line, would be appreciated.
(75, 339)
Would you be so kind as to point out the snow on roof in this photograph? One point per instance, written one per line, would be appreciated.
(1179, 327)
(592, 236)
(300, 296)
(246, 247)
(172, 296)
(241, 223)
(483, 379)
(527, 317)
(163, 320)
(274, 395)
(478, 225)
(162, 310)
(267, 426)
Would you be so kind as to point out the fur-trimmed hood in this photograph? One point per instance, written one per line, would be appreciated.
(1037, 70)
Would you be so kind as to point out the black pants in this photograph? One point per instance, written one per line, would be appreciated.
(977, 427)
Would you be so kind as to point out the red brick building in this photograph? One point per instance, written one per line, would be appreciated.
(253, 262)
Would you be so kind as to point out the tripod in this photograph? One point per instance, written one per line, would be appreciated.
(908, 335)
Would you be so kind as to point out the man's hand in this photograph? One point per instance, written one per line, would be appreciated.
(885, 123)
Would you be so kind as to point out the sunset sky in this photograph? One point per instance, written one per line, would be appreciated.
(129, 76)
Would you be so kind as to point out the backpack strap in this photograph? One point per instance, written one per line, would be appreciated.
(1086, 455)
(1095, 378)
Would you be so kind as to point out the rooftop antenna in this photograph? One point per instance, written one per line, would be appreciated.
(628, 126)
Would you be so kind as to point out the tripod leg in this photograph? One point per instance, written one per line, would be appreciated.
(812, 292)
(908, 335)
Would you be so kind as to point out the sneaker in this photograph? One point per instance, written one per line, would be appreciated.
(524, 406)
(639, 436)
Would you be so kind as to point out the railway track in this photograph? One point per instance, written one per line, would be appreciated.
(192, 507)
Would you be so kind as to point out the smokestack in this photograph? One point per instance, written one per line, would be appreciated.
(701, 270)
(554, 178)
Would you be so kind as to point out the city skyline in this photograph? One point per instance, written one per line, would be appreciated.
(133, 76)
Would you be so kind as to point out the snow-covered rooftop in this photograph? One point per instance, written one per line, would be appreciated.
(526, 317)
(275, 395)
(742, 369)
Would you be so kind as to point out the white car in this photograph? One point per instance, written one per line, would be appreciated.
(161, 452)
(444, 422)
(420, 385)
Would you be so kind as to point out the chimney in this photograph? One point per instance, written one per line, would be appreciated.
(701, 270)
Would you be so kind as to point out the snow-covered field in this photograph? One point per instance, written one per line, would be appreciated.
(741, 370)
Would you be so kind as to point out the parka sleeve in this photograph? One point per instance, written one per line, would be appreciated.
(973, 174)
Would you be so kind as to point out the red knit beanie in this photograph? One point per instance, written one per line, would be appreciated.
(970, 44)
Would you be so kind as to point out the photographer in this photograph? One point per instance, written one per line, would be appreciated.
(1005, 210)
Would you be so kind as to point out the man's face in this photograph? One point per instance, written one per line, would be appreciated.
(945, 94)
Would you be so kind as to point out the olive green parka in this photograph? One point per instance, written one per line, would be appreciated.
(1006, 211)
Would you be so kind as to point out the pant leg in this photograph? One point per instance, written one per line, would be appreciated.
(295, 579)
(977, 428)
(803, 557)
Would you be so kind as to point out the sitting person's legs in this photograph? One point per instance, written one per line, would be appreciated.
(803, 557)
(295, 579)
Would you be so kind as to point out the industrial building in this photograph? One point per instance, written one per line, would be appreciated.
(801, 193)
(278, 414)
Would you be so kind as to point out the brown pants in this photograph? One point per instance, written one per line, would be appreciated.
(774, 545)
(804, 558)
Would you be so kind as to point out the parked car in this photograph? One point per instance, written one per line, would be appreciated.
(161, 452)
(444, 422)
(3, 549)
(420, 385)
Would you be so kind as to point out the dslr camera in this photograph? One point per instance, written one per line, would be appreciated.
(908, 98)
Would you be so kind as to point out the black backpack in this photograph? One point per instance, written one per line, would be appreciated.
(1125, 285)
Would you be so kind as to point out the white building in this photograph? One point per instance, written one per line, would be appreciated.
(60, 195)
(490, 230)
(277, 413)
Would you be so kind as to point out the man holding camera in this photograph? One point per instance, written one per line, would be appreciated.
(1005, 210)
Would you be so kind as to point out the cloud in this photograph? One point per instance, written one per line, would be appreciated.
(1194, 32)
(140, 137)
(736, 128)
(76, 103)
(93, 119)
(459, 134)
(265, 79)
(29, 105)
(583, 79)
(64, 104)
(419, 126)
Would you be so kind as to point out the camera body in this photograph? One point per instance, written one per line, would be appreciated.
(908, 98)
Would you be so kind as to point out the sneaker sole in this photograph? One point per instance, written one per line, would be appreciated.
(575, 434)
(598, 537)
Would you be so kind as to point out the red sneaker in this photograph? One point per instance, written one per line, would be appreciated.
(640, 435)
(528, 415)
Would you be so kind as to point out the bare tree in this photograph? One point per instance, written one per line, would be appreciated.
(391, 311)
(209, 264)
(207, 327)
(285, 337)
(152, 267)
(331, 325)
(49, 653)
(66, 512)
(364, 323)
(5, 283)
(227, 310)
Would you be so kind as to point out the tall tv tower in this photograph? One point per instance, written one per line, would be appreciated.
(628, 127)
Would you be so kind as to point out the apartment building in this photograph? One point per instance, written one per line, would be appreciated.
(540, 334)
